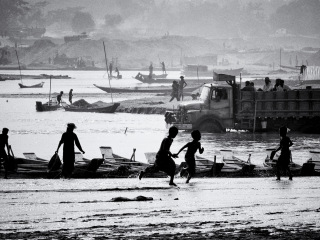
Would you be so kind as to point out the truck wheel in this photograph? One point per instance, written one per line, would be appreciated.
(210, 126)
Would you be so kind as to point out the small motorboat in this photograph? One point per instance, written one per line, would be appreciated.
(315, 159)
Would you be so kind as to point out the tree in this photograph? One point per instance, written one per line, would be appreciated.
(82, 22)
(299, 17)
(10, 12)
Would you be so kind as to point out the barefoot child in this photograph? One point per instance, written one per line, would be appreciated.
(191, 151)
(284, 159)
(164, 161)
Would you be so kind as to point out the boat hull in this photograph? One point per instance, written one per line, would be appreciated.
(107, 109)
(39, 85)
(161, 89)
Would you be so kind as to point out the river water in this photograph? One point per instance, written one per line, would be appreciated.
(49, 205)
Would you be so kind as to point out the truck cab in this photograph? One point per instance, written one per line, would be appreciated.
(212, 112)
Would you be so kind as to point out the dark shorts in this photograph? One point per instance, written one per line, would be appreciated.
(165, 165)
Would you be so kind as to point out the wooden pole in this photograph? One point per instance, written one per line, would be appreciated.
(105, 56)
(50, 92)
(19, 66)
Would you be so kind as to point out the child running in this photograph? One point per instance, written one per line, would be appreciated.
(285, 156)
(191, 151)
(164, 161)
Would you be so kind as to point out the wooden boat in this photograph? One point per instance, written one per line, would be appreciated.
(273, 162)
(315, 159)
(39, 85)
(230, 159)
(48, 106)
(154, 76)
(150, 89)
(101, 108)
(192, 81)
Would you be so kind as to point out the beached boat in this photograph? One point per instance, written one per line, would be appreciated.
(230, 159)
(97, 107)
(273, 162)
(148, 89)
(315, 159)
(39, 85)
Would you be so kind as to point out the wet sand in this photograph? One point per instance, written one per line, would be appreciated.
(204, 209)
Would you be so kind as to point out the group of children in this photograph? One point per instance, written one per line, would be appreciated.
(164, 161)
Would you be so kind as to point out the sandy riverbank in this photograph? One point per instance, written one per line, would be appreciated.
(204, 209)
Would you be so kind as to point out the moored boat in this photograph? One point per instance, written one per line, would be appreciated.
(97, 107)
(39, 85)
(230, 159)
(148, 89)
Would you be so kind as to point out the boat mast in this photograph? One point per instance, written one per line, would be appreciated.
(105, 56)
(50, 92)
(19, 66)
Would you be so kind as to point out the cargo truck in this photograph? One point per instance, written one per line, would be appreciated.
(223, 106)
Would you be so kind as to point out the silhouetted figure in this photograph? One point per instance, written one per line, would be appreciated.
(70, 96)
(59, 100)
(164, 161)
(252, 85)
(4, 157)
(285, 156)
(192, 148)
(267, 87)
(280, 86)
(182, 85)
(163, 68)
(150, 70)
(110, 69)
(117, 72)
(175, 91)
(68, 139)
(248, 87)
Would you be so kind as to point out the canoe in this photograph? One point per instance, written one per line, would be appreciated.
(108, 108)
(150, 89)
(39, 85)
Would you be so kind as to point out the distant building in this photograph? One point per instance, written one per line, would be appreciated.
(75, 38)
(211, 60)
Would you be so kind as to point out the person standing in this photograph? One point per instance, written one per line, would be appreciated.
(110, 69)
(4, 157)
(68, 139)
(70, 95)
(182, 85)
(267, 87)
(285, 156)
(164, 161)
(150, 70)
(192, 148)
(59, 97)
(175, 91)
(163, 68)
